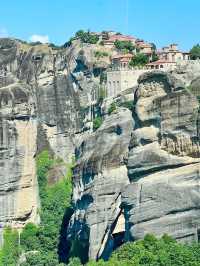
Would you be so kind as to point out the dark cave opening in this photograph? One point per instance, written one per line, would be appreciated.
(118, 239)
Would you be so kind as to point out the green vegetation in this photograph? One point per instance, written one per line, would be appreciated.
(48, 240)
(87, 37)
(127, 104)
(195, 52)
(125, 46)
(139, 60)
(154, 57)
(112, 108)
(10, 251)
(100, 54)
(97, 122)
(74, 262)
(151, 252)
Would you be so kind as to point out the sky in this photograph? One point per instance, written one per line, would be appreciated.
(158, 21)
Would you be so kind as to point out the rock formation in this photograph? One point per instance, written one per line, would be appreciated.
(138, 173)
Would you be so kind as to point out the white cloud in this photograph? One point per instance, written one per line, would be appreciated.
(3, 32)
(39, 38)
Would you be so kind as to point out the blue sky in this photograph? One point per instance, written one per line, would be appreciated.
(159, 21)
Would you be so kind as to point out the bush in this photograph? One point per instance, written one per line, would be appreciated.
(97, 122)
(112, 108)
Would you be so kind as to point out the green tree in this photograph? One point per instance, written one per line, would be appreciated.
(139, 60)
(154, 57)
(124, 45)
(10, 251)
(29, 237)
(46, 240)
(195, 52)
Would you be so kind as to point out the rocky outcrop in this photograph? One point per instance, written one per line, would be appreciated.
(137, 174)
(44, 99)
(18, 181)
(163, 163)
(167, 201)
(99, 177)
(117, 201)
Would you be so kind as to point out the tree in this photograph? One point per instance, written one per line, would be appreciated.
(87, 37)
(154, 57)
(153, 46)
(46, 244)
(195, 52)
(10, 250)
(29, 237)
(124, 45)
(139, 60)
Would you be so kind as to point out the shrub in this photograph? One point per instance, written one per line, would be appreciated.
(97, 122)
(112, 108)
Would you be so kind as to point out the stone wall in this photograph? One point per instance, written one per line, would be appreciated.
(120, 80)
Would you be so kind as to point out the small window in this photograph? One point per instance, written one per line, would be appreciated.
(161, 66)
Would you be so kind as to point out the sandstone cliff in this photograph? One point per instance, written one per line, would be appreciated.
(137, 174)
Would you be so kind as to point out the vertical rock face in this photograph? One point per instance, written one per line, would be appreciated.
(99, 176)
(137, 174)
(163, 163)
(18, 133)
(40, 108)
(156, 187)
